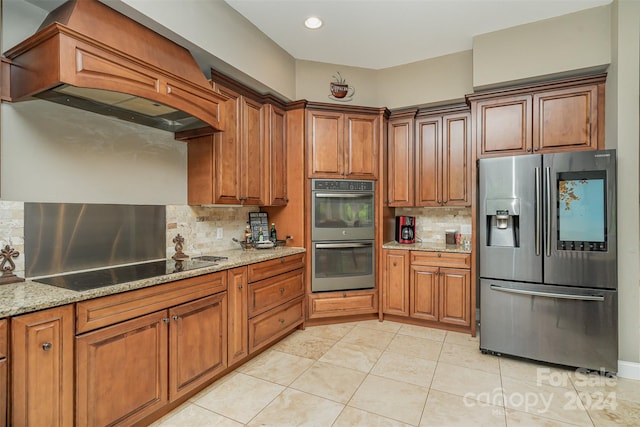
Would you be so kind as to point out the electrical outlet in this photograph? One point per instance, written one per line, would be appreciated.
(219, 233)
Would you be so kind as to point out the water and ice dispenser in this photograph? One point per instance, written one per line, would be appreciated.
(502, 216)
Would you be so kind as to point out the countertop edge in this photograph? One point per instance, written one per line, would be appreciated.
(29, 296)
(425, 247)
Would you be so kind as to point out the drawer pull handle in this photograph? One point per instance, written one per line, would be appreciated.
(175, 317)
(439, 254)
(46, 346)
(281, 260)
(281, 291)
(281, 321)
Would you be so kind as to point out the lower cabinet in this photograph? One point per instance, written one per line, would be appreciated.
(4, 335)
(429, 286)
(238, 335)
(129, 370)
(42, 368)
(347, 303)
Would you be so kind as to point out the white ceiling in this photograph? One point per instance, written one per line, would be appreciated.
(384, 33)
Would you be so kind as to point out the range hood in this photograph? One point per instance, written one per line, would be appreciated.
(89, 56)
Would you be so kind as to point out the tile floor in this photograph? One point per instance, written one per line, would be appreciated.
(389, 374)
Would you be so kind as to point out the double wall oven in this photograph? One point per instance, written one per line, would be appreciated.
(342, 234)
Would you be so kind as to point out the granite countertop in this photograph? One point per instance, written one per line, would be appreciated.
(428, 247)
(28, 296)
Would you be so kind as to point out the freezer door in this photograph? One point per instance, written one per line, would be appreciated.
(580, 214)
(510, 218)
(555, 324)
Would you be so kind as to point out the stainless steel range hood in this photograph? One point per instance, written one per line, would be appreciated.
(89, 56)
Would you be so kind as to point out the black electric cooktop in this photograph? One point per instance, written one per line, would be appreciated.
(112, 276)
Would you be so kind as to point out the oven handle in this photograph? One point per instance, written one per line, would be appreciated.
(342, 245)
(342, 195)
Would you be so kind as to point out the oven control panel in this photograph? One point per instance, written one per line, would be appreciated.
(342, 185)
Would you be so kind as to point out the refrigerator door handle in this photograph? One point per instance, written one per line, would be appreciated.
(548, 294)
(538, 218)
(547, 222)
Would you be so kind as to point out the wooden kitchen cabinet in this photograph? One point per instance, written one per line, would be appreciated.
(343, 144)
(4, 336)
(400, 160)
(277, 152)
(434, 287)
(42, 368)
(145, 348)
(395, 292)
(556, 116)
(238, 331)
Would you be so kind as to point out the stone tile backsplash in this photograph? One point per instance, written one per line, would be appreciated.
(12, 231)
(431, 223)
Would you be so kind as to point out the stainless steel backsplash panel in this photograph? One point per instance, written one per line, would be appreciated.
(63, 237)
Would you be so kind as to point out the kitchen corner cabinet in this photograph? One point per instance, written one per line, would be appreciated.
(400, 160)
(238, 335)
(139, 350)
(343, 145)
(434, 287)
(42, 368)
(564, 115)
(277, 153)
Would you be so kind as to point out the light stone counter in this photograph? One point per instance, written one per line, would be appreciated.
(28, 296)
(429, 247)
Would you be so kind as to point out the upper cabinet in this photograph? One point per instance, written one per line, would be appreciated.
(564, 115)
(343, 144)
(429, 158)
(245, 164)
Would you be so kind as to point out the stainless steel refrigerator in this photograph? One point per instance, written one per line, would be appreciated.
(547, 256)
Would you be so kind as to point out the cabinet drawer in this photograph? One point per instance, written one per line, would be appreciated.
(3, 338)
(343, 304)
(99, 312)
(265, 269)
(269, 293)
(441, 259)
(274, 323)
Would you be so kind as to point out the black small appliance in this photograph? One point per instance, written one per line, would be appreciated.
(406, 229)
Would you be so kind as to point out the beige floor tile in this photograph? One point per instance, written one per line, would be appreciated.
(614, 412)
(330, 381)
(240, 398)
(351, 417)
(602, 386)
(194, 416)
(276, 366)
(462, 339)
(305, 344)
(534, 372)
(218, 383)
(369, 337)
(423, 332)
(295, 408)
(353, 356)
(414, 346)
(469, 383)
(409, 369)
(524, 419)
(469, 357)
(387, 325)
(392, 399)
(450, 410)
(331, 332)
(556, 403)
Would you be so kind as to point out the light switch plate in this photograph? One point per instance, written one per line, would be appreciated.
(219, 233)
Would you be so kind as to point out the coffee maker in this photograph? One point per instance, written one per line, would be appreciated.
(406, 229)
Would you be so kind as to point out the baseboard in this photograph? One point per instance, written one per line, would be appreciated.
(630, 370)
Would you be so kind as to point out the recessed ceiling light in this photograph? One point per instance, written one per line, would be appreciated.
(313, 22)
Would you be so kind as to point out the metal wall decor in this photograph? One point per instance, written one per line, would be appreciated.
(340, 90)
(6, 255)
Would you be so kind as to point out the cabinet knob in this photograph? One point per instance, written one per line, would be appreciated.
(536, 149)
(46, 346)
(439, 254)
(286, 200)
(528, 150)
(239, 286)
(395, 264)
(281, 260)
(165, 319)
(281, 290)
(175, 317)
(281, 320)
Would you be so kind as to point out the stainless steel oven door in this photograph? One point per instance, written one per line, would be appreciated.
(342, 216)
(338, 266)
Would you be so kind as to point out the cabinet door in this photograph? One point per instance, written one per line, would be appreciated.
(200, 170)
(566, 119)
(429, 161)
(227, 152)
(252, 167)
(277, 165)
(3, 392)
(504, 126)
(395, 289)
(456, 160)
(238, 329)
(400, 162)
(361, 146)
(424, 292)
(197, 343)
(455, 298)
(42, 368)
(122, 371)
(325, 137)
